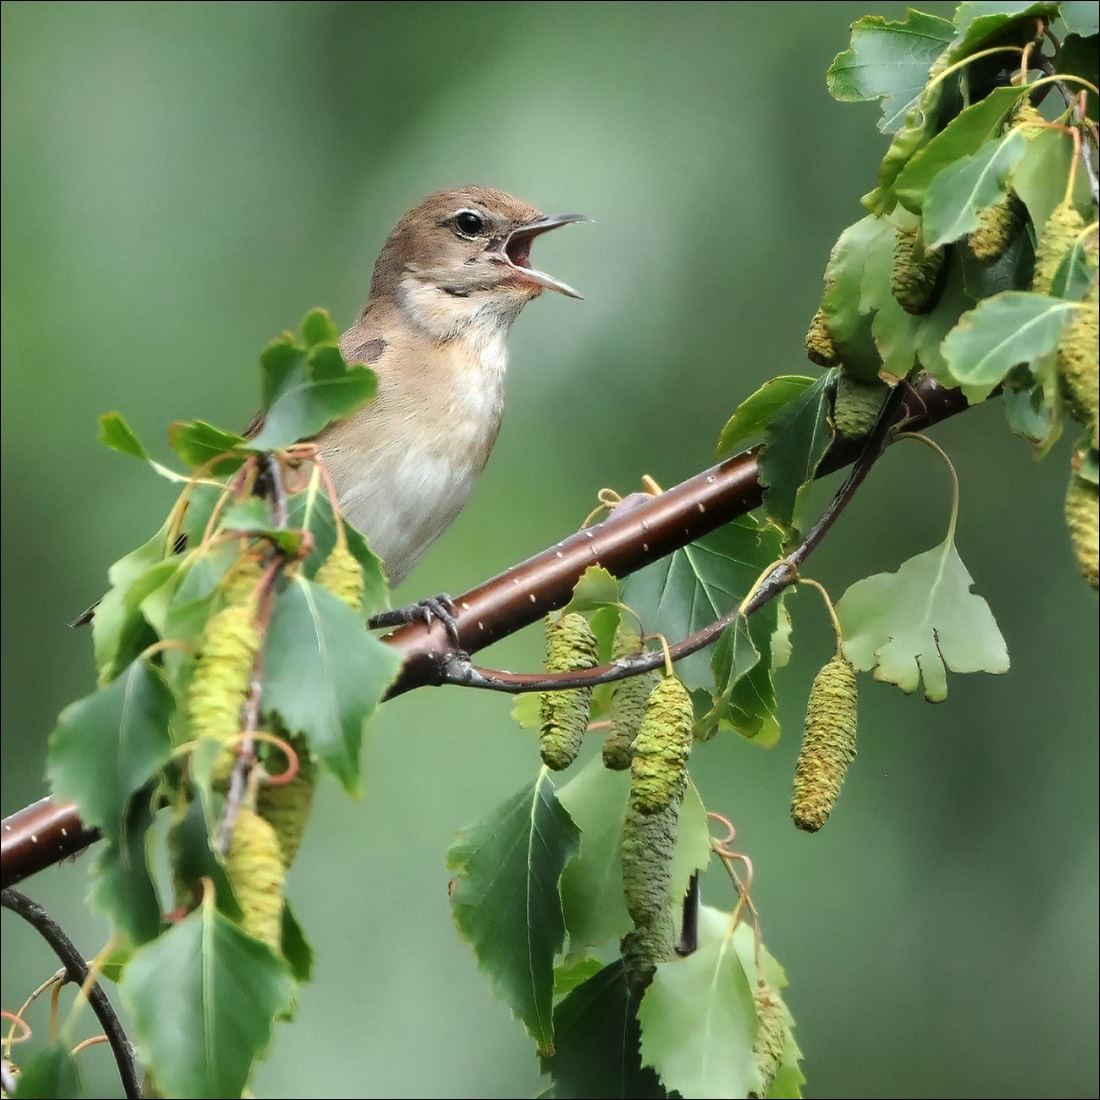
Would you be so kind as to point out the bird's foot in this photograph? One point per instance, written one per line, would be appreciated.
(425, 611)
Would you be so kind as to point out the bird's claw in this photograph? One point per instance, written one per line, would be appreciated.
(424, 611)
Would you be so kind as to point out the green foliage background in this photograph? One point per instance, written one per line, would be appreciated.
(183, 181)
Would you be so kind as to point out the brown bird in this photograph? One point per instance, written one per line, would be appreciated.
(452, 277)
(450, 280)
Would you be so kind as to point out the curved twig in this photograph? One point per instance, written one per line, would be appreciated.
(76, 971)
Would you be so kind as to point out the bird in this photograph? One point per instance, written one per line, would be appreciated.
(451, 278)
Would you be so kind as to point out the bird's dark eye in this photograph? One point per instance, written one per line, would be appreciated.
(469, 223)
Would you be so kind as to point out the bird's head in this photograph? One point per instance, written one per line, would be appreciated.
(467, 252)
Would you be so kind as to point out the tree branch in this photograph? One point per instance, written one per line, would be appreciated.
(630, 539)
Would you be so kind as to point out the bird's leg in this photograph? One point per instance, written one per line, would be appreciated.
(425, 611)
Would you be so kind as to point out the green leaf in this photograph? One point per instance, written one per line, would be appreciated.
(979, 20)
(318, 328)
(962, 190)
(735, 656)
(1076, 273)
(597, 1038)
(193, 858)
(795, 443)
(122, 881)
(1030, 415)
(1012, 270)
(592, 898)
(107, 746)
(892, 328)
(323, 674)
(574, 971)
(204, 998)
(1040, 177)
(691, 588)
(1002, 332)
(953, 302)
(505, 902)
(592, 884)
(698, 1021)
(1081, 17)
(919, 623)
(842, 304)
(115, 433)
(306, 386)
(596, 589)
(692, 842)
(311, 510)
(296, 948)
(119, 630)
(202, 445)
(916, 132)
(50, 1073)
(961, 137)
(755, 413)
(889, 61)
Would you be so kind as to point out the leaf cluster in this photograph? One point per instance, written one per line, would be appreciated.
(227, 655)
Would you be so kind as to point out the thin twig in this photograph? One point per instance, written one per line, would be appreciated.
(77, 971)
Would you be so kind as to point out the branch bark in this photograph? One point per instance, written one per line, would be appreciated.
(630, 539)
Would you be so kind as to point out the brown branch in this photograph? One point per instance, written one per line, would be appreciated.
(631, 538)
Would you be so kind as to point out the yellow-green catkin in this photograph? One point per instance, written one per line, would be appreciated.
(256, 871)
(828, 744)
(342, 575)
(773, 1027)
(223, 671)
(1055, 240)
(286, 805)
(658, 769)
(819, 343)
(856, 405)
(1083, 520)
(915, 278)
(649, 843)
(1077, 363)
(240, 581)
(628, 699)
(570, 647)
(998, 225)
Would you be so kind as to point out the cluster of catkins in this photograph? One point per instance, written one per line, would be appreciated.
(269, 822)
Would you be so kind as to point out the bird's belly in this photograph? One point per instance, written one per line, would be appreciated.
(401, 504)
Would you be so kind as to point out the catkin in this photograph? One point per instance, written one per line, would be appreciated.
(856, 405)
(1083, 520)
(1055, 240)
(628, 699)
(649, 843)
(570, 646)
(828, 744)
(773, 1025)
(220, 683)
(998, 225)
(256, 871)
(286, 805)
(915, 278)
(342, 575)
(658, 769)
(819, 343)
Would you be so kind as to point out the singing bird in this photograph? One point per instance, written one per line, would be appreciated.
(450, 280)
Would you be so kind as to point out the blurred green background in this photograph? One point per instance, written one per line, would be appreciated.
(183, 181)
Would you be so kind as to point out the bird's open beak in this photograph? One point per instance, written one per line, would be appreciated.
(517, 250)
